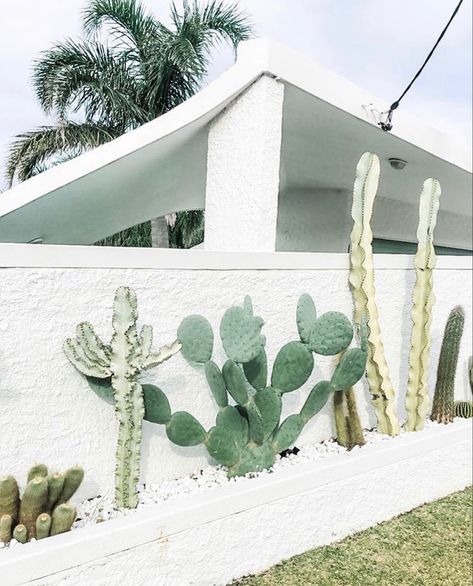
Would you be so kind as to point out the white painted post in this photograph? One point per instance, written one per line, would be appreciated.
(244, 146)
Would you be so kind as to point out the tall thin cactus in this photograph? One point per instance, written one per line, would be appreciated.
(443, 408)
(121, 362)
(417, 397)
(363, 289)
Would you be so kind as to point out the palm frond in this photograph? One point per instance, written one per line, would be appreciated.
(208, 24)
(188, 229)
(75, 76)
(32, 149)
(138, 236)
(126, 21)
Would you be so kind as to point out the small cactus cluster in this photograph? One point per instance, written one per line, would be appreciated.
(443, 407)
(117, 366)
(248, 433)
(44, 507)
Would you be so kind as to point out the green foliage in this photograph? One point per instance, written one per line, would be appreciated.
(44, 507)
(120, 364)
(247, 436)
(443, 407)
(127, 70)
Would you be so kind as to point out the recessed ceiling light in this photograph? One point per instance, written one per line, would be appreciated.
(397, 164)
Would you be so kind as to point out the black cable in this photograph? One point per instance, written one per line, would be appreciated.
(387, 124)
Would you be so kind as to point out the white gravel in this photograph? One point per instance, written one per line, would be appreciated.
(101, 509)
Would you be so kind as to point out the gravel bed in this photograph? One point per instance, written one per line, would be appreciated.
(101, 509)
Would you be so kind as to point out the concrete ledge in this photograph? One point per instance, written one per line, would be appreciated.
(59, 256)
(226, 533)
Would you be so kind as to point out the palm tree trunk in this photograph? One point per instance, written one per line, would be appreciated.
(159, 233)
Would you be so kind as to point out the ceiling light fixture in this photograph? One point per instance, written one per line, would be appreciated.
(397, 164)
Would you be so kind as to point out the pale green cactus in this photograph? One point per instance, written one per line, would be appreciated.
(120, 363)
(417, 396)
(248, 434)
(363, 290)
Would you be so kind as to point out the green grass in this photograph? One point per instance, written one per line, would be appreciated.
(430, 546)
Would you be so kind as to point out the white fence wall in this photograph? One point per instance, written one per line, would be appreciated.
(47, 411)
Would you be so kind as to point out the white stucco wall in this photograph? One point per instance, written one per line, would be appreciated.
(244, 145)
(47, 411)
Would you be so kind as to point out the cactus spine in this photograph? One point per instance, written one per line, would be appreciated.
(363, 290)
(417, 396)
(443, 408)
(248, 435)
(43, 500)
(122, 361)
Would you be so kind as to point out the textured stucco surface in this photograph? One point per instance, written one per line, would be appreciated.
(216, 553)
(244, 145)
(48, 413)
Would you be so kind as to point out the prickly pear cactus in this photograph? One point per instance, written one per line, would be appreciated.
(417, 396)
(120, 363)
(363, 290)
(41, 510)
(443, 407)
(248, 434)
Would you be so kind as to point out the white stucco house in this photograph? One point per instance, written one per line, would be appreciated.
(269, 150)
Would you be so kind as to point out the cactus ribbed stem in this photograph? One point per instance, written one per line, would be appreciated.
(354, 423)
(443, 408)
(363, 290)
(417, 396)
(341, 424)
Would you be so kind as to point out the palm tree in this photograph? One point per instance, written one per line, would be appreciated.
(128, 69)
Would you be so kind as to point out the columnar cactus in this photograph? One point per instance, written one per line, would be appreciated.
(417, 396)
(45, 498)
(120, 363)
(248, 433)
(464, 409)
(443, 408)
(363, 290)
(347, 421)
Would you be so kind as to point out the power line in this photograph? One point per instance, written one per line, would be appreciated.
(387, 124)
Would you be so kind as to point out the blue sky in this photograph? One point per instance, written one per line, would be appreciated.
(378, 44)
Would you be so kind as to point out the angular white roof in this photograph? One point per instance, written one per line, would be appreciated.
(161, 166)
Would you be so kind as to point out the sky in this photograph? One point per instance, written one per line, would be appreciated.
(377, 44)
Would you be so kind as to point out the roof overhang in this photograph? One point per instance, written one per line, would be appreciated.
(161, 166)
